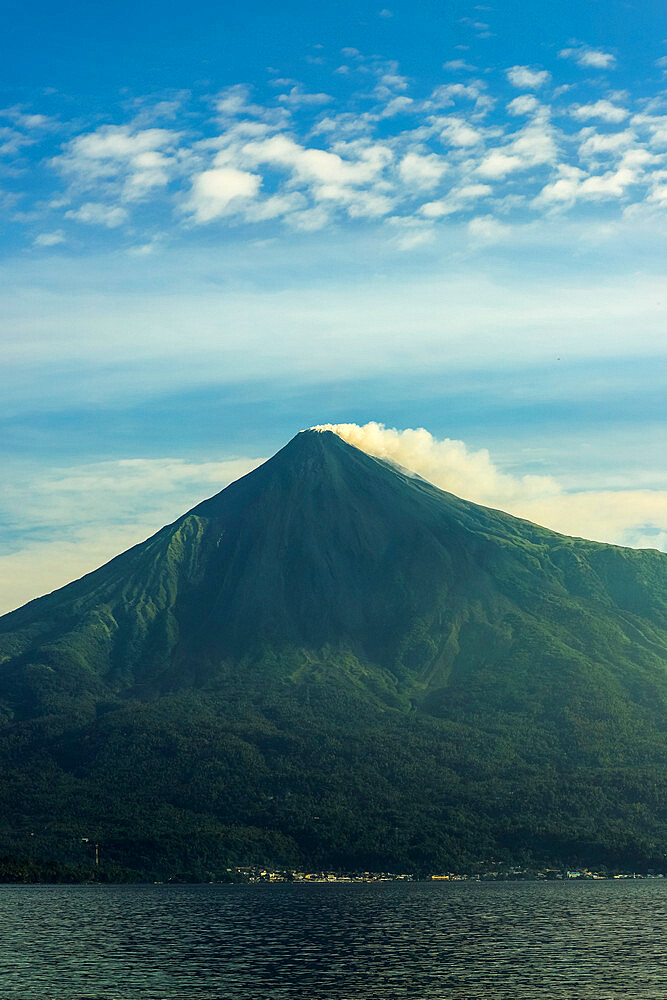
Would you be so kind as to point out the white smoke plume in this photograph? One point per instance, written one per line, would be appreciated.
(446, 463)
(623, 517)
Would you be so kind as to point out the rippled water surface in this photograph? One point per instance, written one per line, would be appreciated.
(461, 941)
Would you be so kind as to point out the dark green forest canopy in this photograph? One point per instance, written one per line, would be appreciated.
(334, 663)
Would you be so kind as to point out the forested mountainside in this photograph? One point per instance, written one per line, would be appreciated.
(334, 663)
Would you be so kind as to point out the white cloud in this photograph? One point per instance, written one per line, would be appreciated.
(636, 518)
(499, 163)
(390, 79)
(218, 191)
(49, 239)
(659, 194)
(120, 161)
(97, 214)
(485, 229)
(397, 106)
(457, 200)
(275, 206)
(350, 180)
(309, 220)
(564, 189)
(457, 132)
(532, 146)
(589, 58)
(525, 104)
(603, 109)
(458, 65)
(297, 98)
(596, 144)
(319, 165)
(12, 141)
(574, 184)
(526, 78)
(609, 185)
(235, 100)
(656, 126)
(26, 120)
(421, 170)
(98, 152)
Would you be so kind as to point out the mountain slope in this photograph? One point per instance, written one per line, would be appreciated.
(334, 660)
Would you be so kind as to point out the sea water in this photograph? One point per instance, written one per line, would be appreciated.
(569, 940)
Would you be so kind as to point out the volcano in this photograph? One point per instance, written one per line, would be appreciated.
(334, 663)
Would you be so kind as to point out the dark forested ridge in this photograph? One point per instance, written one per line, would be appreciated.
(334, 663)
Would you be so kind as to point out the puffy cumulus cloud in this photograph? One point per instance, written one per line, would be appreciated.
(574, 184)
(526, 78)
(221, 191)
(119, 163)
(347, 176)
(656, 127)
(658, 193)
(596, 144)
(320, 166)
(298, 98)
(96, 214)
(116, 151)
(422, 170)
(299, 162)
(623, 517)
(588, 57)
(525, 104)
(532, 146)
(458, 132)
(603, 109)
(499, 162)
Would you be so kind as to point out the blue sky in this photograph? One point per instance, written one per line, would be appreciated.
(225, 222)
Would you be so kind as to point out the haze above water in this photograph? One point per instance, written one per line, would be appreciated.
(512, 941)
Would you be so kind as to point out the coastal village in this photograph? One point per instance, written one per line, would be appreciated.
(256, 874)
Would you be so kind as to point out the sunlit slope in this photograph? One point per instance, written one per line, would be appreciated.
(491, 670)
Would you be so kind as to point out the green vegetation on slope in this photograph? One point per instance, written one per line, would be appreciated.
(333, 663)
